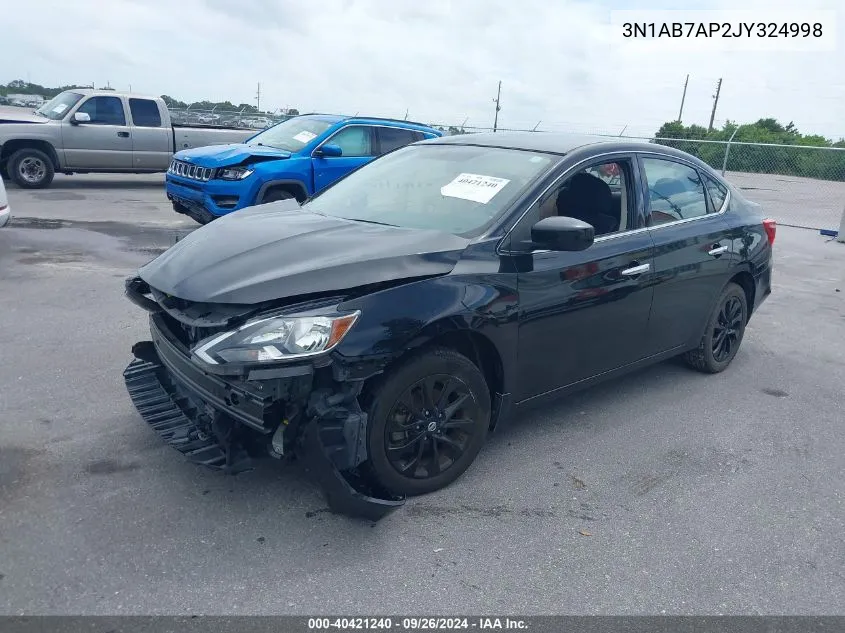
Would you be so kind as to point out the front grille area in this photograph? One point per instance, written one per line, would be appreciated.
(190, 322)
(186, 170)
(187, 335)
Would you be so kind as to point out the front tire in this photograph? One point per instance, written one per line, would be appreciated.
(724, 333)
(275, 195)
(30, 169)
(428, 420)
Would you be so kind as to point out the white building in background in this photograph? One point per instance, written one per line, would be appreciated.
(25, 99)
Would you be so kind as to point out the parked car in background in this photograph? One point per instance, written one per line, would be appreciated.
(5, 211)
(384, 327)
(293, 159)
(82, 131)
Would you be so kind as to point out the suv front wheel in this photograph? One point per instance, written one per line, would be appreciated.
(274, 195)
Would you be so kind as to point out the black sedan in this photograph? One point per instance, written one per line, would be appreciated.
(381, 330)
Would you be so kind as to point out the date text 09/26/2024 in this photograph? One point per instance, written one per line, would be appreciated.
(415, 624)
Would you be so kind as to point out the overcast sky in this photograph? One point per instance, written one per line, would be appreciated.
(560, 62)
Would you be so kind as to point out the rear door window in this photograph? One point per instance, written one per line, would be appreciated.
(717, 192)
(391, 138)
(675, 191)
(145, 112)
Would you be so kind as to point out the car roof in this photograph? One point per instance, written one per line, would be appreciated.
(562, 143)
(337, 118)
(551, 142)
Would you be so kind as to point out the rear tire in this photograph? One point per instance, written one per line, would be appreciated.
(428, 419)
(724, 333)
(30, 169)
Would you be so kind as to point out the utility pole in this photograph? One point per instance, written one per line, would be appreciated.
(498, 107)
(715, 102)
(683, 98)
(258, 97)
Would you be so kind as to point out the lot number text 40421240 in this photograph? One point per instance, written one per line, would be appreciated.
(416, 624)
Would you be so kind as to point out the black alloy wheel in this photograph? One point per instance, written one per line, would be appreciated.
(430, 426)
(724, 332)
(727, 330)
(428, 421)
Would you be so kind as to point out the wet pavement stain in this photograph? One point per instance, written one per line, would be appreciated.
(149, 250)
(777, 393)
(496, 511)
(109, 467)
(124, 230)
(53, 258)
(58, 196)
(38, 223)
(15, 463)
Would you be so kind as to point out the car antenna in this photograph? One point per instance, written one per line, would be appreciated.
(623, 130)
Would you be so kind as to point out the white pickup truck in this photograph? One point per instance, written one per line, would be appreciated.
(82, 131)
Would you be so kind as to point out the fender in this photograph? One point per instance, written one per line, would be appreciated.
(443, 307)
(11, 145)
(290, 182)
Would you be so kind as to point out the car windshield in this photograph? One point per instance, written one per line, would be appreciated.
(57, 107)
(457, 189)
(293, 134)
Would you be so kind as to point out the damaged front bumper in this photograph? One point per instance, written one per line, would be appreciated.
(224, 423)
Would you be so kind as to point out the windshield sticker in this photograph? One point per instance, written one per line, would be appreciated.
(474, 187)
(60, 108)
(305, 136)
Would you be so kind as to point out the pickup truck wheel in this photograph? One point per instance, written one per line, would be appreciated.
(31, 169)
(428, 420)
(274, 195)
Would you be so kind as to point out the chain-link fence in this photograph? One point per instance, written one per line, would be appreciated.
(797, 185)
(225, 118)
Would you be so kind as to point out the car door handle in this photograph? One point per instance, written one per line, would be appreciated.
(123, 134)
(636, 270)
(717, 250)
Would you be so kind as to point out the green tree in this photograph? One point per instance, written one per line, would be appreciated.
(765, 146)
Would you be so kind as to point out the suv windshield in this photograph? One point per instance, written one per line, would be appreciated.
(293, 134)
(57, 107)
(457, 189)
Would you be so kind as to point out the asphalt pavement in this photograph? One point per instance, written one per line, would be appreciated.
(663, 492)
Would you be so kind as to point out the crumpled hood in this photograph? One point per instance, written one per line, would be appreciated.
(267, 253)
(224, 155)
(20, 115)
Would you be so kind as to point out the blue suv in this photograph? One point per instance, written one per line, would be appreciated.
(294, 159)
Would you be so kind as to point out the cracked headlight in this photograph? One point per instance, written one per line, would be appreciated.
(234, 173)
(276, 339)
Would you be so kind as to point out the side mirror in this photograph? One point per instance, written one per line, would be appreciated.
(329, 150)
(560, 233)
(81, 117)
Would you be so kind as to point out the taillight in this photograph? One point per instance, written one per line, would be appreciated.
(771, 229)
